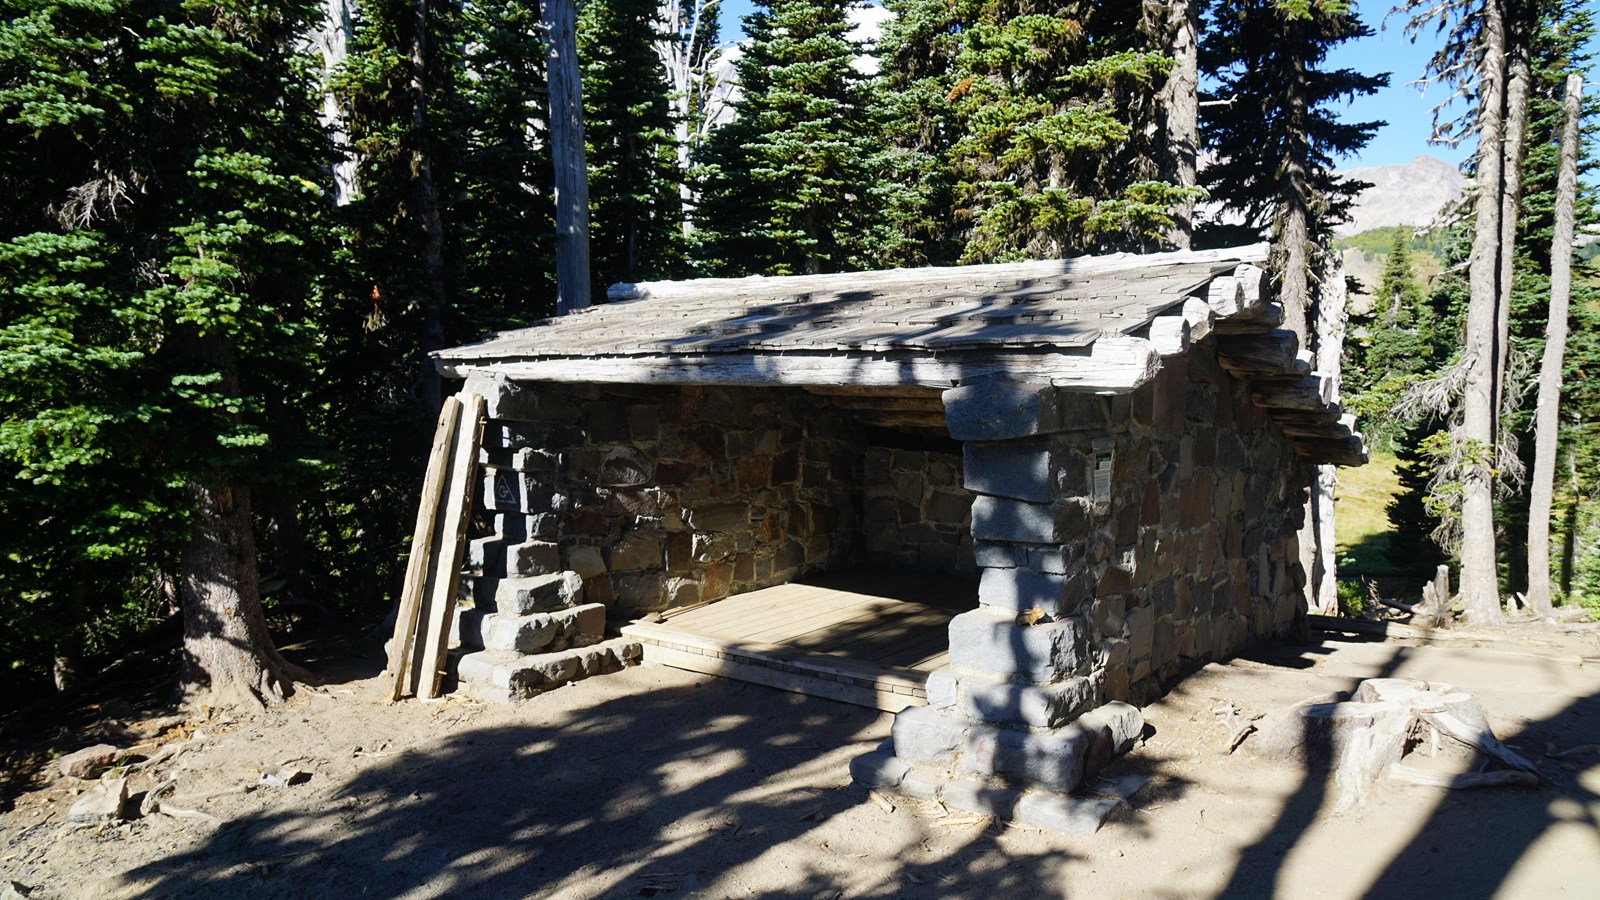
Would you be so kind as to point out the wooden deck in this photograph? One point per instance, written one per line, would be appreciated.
(867, 637)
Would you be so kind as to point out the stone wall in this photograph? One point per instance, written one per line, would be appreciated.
(916, 513)
(1152, 529)
(660, 497)
(1120, 539)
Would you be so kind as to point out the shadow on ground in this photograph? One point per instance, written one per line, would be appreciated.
(667, 792)
(597, 796)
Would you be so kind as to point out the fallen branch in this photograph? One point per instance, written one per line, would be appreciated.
(1464, 780)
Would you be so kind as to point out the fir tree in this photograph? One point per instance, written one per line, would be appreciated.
(159, 270)
(787, 183)
(634, 176)
(1401, 342)
(1029, 133)
(1274, 132)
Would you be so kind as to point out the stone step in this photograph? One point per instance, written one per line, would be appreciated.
(534, 633)
(502, 677)
(502, 557)
(523, 594)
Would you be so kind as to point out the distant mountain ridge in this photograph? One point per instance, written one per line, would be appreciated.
(1410, 193)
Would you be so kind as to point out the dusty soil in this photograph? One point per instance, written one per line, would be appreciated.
(655, 782)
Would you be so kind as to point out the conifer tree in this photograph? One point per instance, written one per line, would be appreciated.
(1274, 130)
(1401, 344)
(159, 269)
(787, 182)
(634, 175)
(1040, 127)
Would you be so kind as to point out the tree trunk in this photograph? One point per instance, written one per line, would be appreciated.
(333, 39)
(567, 152)
(1294, 215)
(1181, 101)
(1547, 415)
(1331, 320)
(1516, 123)
(1480, 594)
(229, 657)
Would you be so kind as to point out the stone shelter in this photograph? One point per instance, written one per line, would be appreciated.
(1006, 501)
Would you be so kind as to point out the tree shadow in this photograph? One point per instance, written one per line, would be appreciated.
(638, 795)
(1471, 840)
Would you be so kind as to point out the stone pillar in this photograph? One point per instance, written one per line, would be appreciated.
(1015, 721)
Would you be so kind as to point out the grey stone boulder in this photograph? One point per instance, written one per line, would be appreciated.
(1053, 760)
(103, 803)
(1019, 470)
(992, 642)
(1068, 815)
(1047, 706)
(89, 762)
(537, 593)
(925, 734)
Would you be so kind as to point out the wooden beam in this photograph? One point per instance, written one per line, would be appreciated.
(1275, 351)
(1350, 451)
(827, 390)
(1169, 334)
(567, 153)
(1236, 295)
(933, 404)
(1202, 321)
(397, 675)
(1110, 365)
(1313, 392)
(1264, 318)
(1331, 432)
(449, 550)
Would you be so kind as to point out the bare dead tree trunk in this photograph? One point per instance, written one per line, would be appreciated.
(567, 152)
(1517, 79)
(1480, 594)
(229, 657)
(1181, 101)
(1331, 321)
(333, 40)
(1547, 415)
(688, 63)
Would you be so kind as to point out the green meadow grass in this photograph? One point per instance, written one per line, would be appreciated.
(1361, 526)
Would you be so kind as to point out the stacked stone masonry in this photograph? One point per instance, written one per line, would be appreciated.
(917, 513)
(1118, 538)
(1121, 539)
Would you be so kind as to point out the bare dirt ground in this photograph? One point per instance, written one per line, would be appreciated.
(655, 782)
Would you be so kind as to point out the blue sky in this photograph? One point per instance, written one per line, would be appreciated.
(1405, 108)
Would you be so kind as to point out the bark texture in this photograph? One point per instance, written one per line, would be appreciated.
(1480, 594)
(1547, 415)
(1181, 102)
(1517, 79)
(566, 149)
(229, 657)
(333, 40)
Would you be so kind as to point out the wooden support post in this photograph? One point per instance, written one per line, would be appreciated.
(397, 676)
(566, 149)
(449, 550)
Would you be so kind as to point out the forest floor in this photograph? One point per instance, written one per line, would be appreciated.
(655, 782)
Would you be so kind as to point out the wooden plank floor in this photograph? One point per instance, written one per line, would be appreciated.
(865, 636)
